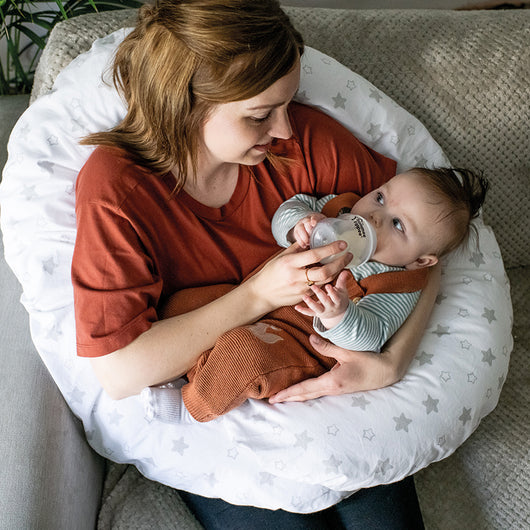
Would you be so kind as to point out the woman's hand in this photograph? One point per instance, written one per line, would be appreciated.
(287, 277)
(354, 372)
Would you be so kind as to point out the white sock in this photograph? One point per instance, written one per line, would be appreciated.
(165, 403)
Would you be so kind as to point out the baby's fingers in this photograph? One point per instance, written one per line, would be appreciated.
(342, 280)
(313, 305)
(333, 294)
(322, 296)
(301, 308)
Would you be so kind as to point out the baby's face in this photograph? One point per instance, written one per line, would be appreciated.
(405, 220)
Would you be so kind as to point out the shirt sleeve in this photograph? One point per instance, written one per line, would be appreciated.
(367, 325)
(292, 211)
(115, 289)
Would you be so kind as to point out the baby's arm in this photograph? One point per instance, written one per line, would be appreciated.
(367, 325)
(291, 212)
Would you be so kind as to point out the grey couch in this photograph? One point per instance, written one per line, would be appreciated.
(466, 76)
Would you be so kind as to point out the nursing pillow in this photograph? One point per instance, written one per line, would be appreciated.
(301, 457)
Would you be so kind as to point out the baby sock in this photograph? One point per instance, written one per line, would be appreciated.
(165, 403)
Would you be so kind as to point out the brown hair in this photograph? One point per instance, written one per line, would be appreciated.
(184, 57)
(463, 192)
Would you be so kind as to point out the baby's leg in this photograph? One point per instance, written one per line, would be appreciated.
(165, 403)
(254, 361)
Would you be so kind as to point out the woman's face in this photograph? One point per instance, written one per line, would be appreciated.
(241, 132)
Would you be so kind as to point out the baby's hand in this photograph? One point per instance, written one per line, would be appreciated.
(301, 231)
(329, 304)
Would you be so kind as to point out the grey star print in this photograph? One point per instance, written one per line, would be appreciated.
(359, 401)
(488, 357)
(49, 265)
(489, 315)
(332, 464)
(339, 101)
(465, 416)
(477, 258)
(402, 423)
(180, 446)
(424, 358)
(441, 330)
(375, 131)
(431, 404)
(383, 467)
(302, 440)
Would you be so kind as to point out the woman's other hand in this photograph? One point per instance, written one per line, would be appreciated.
(355, 371)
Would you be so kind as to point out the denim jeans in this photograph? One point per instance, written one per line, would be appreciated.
(388, 507)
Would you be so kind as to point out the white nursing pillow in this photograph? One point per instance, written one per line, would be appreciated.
(297, 456)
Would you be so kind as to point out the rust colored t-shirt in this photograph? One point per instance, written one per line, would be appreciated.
(136, 245)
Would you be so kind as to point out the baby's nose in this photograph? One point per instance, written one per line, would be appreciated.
(375, 219)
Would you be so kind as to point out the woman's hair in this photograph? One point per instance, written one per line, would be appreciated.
(462, 192)
(183, 58)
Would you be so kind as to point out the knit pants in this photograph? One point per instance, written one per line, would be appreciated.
(253, 361)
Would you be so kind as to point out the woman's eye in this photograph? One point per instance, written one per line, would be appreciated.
(260, 119)
(379, 198)
(397, 224)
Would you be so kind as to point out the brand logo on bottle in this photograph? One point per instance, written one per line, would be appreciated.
(359, 226)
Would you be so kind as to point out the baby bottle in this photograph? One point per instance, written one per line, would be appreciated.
(354, 229)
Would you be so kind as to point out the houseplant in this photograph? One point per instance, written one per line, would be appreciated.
(25, 26)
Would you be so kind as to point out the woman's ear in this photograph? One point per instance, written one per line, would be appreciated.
(427, 260)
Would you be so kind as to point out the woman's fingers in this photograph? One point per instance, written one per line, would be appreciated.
(308, 389)
(354, 372)
(286, 278)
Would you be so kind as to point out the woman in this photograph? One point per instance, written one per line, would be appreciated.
(181, 193)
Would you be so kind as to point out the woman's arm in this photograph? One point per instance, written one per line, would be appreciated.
(172, 346)
(358, 371)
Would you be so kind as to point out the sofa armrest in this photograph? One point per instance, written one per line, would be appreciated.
(50, 478)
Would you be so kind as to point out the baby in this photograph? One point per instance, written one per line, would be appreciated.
(418, 216)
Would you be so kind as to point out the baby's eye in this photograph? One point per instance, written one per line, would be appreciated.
(397, 224)
(379, 198)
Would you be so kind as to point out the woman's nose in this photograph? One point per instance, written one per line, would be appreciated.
(281, 126)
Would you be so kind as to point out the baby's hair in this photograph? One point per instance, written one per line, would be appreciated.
(464, 192)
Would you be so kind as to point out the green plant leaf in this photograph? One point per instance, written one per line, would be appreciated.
(26, 25)
(61, 9)
(36, 39)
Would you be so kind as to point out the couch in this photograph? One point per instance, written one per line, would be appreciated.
(466, 76)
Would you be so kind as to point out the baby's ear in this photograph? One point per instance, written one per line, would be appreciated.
(427, 260)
